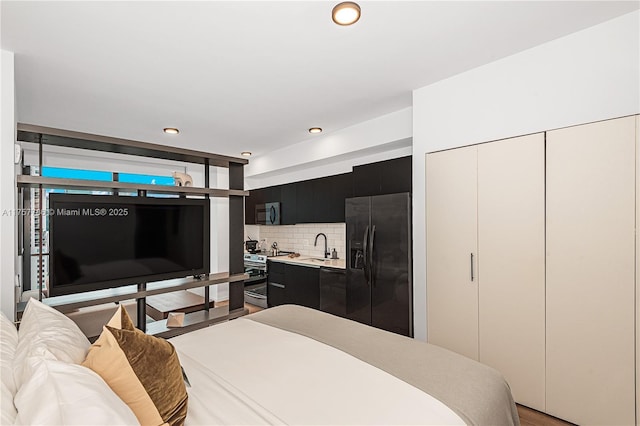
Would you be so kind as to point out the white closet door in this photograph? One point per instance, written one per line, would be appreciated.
(590, 273)
(511, 241)
(637, 269)
(452, 296)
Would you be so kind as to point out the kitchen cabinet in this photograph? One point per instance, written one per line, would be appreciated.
(256, 196)
(333, 291)
(590, 272)
(485, 258)
(306, 211)
(288, 208)
(384, 177)
(276, 284)
(298, 285)
(259, 196)
(302, 286)
(322, 200)
(310, 201)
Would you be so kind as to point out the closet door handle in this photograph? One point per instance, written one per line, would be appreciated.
(471, 267)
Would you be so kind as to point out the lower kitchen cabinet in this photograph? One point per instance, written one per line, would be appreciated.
(333, 291)
(297, 285)
(302, 286)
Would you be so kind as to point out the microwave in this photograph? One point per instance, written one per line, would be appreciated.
(268, 214)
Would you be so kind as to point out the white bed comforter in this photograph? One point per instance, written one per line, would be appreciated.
(244, 372)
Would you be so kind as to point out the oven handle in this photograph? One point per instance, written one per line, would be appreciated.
(255, 295)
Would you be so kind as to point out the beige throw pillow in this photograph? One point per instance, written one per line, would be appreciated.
(144, 371)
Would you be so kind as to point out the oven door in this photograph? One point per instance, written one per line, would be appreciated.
(255, 288)
(268, 214)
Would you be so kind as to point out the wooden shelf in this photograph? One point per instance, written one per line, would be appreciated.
(50, 182)
(194, 321)
(75, 301)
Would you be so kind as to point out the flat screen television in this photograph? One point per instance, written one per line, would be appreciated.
(99, 241)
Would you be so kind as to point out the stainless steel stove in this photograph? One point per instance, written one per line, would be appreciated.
(255, 288)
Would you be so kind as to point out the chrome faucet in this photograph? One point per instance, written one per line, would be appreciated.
(315, 243)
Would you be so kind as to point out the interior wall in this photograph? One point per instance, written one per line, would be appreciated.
(8, 219)
(587, 76)
(381, 138)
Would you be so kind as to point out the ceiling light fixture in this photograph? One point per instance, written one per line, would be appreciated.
(346, 13)
(315, 130)
(171, 130)
(246, 153)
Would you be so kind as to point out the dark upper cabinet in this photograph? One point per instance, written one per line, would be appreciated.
(396, 176)
(330, 196)
(256, 196)
(306, 211)
(288, 207)
(384, 177)
(322, 200)
(366, 180)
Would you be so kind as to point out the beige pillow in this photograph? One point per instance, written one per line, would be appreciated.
(144, 371)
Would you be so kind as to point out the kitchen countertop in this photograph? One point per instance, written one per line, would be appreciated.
(310, 261)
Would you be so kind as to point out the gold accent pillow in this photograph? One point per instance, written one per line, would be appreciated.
(144, 371)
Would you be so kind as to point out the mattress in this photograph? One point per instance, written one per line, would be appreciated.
(294, 365)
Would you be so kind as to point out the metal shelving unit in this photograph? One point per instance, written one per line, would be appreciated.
(27, 181)
(236, 193)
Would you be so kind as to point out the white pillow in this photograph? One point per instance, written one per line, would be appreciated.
(44, 328)
(8, 344)
(59, 393)
(8, 411)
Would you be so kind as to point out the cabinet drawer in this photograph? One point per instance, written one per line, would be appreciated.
(276, 268)
(276, 294)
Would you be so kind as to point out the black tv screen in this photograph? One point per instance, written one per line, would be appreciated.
(99, 242)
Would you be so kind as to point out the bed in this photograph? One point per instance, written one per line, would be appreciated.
(284, 365)
(272, 359)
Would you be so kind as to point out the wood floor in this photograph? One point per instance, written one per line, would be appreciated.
(529, 417)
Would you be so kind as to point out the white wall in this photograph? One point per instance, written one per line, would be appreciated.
(381, 138)
(587, 76)
(8, 222)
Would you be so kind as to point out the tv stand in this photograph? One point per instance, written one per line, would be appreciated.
(236, 193)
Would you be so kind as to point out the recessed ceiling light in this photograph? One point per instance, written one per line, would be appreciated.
(346, 13)
(171, 130)
(246, 153)
(315, 130)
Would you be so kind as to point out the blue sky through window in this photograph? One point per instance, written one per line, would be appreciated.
(146, 179)
(60, 172)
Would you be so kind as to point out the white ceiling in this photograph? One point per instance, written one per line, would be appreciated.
(237, 76)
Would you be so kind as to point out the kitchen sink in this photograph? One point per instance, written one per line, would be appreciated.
(315, 259)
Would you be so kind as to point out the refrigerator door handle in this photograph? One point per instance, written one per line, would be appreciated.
(371, 248)
(365, 244)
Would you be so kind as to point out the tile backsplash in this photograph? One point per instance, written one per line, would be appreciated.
(300, 238)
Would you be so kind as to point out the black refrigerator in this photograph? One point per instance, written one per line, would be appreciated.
(379, 271)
